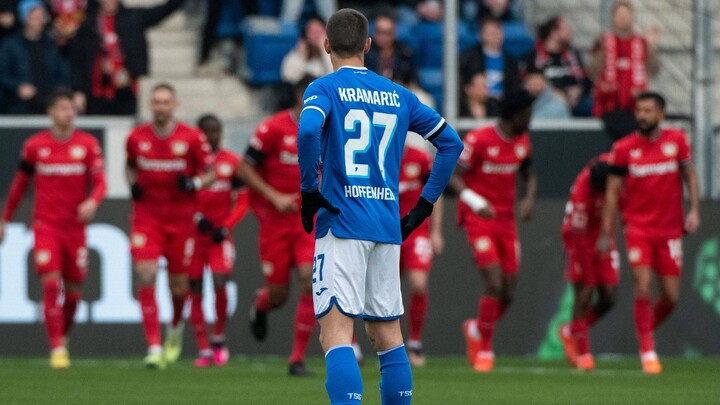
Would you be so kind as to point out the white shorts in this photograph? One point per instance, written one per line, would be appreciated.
(361, 278)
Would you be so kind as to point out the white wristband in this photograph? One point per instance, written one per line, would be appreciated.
(475, 201)
(197, 182)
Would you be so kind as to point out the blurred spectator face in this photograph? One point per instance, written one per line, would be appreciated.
(35, 22)
(109, 6)
(564, 32)
(62, 113)
(535, 83)
(623, 18)
(384, 34)
(477, 89)
(315, 32)
(430, 10)
(497, 7)
(163, 104)
(213, 132)
(492, 35)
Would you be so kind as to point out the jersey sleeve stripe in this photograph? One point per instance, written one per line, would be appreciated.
(315, 108)
(436, 131)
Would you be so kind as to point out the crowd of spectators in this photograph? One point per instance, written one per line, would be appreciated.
(98, 49)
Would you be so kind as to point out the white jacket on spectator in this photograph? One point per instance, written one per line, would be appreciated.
(295, 65)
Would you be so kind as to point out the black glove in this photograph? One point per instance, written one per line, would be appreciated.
(219, 234)
(311, 202)
(186, 183)
(415, 217)
(204, 225)
(136, 191)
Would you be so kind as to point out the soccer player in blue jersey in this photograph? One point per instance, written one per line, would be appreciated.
(355, 122)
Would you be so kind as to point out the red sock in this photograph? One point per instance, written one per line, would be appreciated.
(581, 334)
(591, 317)
(502, 308)
(151, 323)
(54, 317)
(418, 310)
(663, 308)
(178, 307)
(489, 308)
(262, 300)
(197, 319)
(644, 324)
(221, 304)
(72, 299)
(304, 327)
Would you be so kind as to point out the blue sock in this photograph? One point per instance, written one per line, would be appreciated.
(344, 382)
(395, 377)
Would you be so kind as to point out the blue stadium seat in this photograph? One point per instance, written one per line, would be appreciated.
(518, 41)
(428, 37)
(432, 79)
(264, 51)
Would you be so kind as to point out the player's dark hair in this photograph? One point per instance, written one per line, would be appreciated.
(207, 119)
(347, 32)
(57, 95)
(548, 27)
(655, 96)
(598, 175)
(164, 86)
(515, 102)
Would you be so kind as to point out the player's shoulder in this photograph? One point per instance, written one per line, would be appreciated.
(626, 142)
(38, 139)
(481, 134)
(85, 138)
(674, 133)
(276, 122)
(228, 155)
(141, 130)
(188, 130)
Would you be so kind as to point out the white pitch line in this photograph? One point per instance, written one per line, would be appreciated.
(558, 371)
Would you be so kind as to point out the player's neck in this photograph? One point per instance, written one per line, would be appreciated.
(164, 129)
(651, 135)
(356, 61)
(62, 134)
(505, 130)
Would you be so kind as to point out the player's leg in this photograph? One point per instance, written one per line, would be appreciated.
(179, 288)
(75, 264)
(197, 317)
(419, 302)
(669, 266)
(579, 327)
(222, 262)
(344, 381)
(304, 324)
(577, 265)
(608, 277)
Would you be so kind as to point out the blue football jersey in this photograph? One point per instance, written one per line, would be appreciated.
(366, 120)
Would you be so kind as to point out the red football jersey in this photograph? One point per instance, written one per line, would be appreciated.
(65, 174)
(583, 211)
(492, 161)
(216, 201)
(414, 172)
(276, 139)
(653, 193)
(159, 160)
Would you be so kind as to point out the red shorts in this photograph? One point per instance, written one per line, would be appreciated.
(219, 257)
(62, 250)
(662, 254)
(494, 243)
(151, 238)
(284, 246)
(416, 252)
(585, 265)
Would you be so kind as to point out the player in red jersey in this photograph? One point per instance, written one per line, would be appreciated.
(647, 164)
(167, 161)
(271, 170)
(485, 181)
(64, 163)
(416, 252)
(220, 207)
(587, 270)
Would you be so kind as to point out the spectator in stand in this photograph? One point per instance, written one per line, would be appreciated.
(500, 69)
(549, 104)
(292, 9)
(67, 17)
(389, 57)
(475, 102)
(561, 63)
(430, 10)
(309, 56)
(8, 18)
(110, 52)
(623, 62)
(497, 9)
(31, 67)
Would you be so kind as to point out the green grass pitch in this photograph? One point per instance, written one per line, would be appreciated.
(447, 380)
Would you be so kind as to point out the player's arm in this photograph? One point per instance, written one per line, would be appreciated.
(88, 208)
(316, 107)
(615, 181)
(436, 234)
(689, 175)
(203, 158)
(238, 212)
(477, 203)
(19, 186)
(528, 202)
(247, 172)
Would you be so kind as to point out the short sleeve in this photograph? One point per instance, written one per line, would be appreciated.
(684, 151)
(263, 140)
(618, 157)
(202, 152)
(131, 148)
(423, 119)
(95, 161)
(316, 98)
(28, 154)
(468, 157)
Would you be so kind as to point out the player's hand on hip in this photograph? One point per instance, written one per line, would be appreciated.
(219, 234)
(136, 192)
(603, 244)
(285, 202)
(312, 202)
(86, 210)
(204, 225)
(692, 221)
(190, 184)
(415, 217)
(487, 212)
(526, 208)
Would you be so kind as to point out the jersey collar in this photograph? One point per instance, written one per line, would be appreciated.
(353, 67)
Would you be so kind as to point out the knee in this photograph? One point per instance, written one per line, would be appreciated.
(196, 285)
(220, 281)
(493, 289)
(278, 296)
(146, 273)
(671, 300)
(178, 287)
